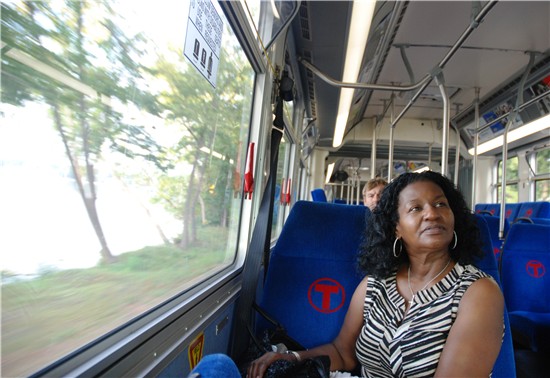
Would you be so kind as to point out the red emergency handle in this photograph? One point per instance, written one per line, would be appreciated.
(249, 173)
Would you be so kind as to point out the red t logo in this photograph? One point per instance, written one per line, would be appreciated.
(326, 295)
(535, 269)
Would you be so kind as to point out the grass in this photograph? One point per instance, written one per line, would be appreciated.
(52, 315)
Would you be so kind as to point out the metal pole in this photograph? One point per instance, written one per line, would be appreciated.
(457, 153)
(446, 110)
(519, 100)
(390, 152)
(476, 143)
(373, 152)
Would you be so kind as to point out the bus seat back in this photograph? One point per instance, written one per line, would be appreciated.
(511, 211)
(493, 209)
(525, 276)
(312, 271)
(479, 207)
(318, 195)
(493, 223)
(488, 263)
(540, 209)
(526, 267)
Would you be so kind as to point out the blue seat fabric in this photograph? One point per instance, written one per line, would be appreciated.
(525, 275)
(534, 210)
(505, 364)
(318, 195)
(493, 223)
(312, 271)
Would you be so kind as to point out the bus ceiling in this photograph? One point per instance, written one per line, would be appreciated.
(405, 64)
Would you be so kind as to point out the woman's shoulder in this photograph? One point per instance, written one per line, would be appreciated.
(479, 282)
(471, 272)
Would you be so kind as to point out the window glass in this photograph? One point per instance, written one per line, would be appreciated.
(512, 193)
(512, 175)
(542, 162)
(512, 172)
(542, 168)
(542, 190)
(121, 169)
(281, 186)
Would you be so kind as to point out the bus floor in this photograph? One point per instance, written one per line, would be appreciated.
(531, 364)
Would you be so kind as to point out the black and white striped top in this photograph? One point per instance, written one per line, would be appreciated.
(394, 345)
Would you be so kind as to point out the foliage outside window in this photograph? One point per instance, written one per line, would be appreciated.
(512, 176)
(542, 179)
(121, 169)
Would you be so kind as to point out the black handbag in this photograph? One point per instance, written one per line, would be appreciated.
(315, 367)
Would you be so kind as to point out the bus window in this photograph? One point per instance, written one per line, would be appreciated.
(542, 178)
(512, 177)
(121, 169)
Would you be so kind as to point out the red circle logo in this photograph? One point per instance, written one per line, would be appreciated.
(326, 295)
(535, 268)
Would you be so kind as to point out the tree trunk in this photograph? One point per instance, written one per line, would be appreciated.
(89, 203)
(189, 235)
(203, 210)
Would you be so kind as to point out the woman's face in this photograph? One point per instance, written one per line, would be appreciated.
(426, 221)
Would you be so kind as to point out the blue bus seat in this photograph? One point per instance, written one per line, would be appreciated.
(539, 209)
(319, 195)
(493, 223)
(512, 210)
(505, 364)
(493, 209)
(479, 207)
(525, 273)
(312, 271)
(487, 209)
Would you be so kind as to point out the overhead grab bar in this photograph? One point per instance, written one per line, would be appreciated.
(285, 25)
(473, 25)
(406, 61)
(423, 83)
(341, 84)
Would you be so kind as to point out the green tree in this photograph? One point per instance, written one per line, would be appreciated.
(211, 119)
(86, 69)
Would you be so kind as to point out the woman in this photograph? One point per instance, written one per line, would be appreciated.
(372, 192)
(422, 310)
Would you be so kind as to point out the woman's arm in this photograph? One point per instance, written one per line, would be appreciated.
(341, 350)
(476, 336)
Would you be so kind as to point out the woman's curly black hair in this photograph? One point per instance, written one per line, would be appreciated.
(376, 254)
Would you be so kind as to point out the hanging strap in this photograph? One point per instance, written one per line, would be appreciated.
(259, 244)
(277, 132)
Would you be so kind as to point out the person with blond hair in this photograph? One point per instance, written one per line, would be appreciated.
(372, 191)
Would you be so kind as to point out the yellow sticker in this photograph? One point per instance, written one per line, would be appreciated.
(195, 351)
